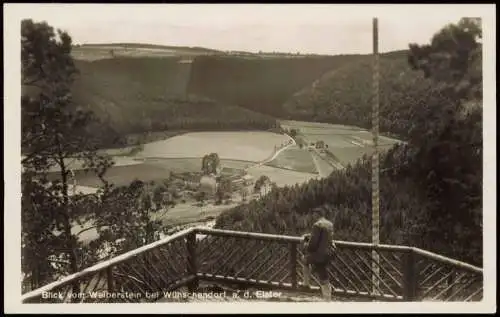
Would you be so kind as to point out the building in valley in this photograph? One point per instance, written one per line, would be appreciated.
(239, 177)
(208, 185)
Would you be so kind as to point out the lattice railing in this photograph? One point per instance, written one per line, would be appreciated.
(442, 279)
(351, 270)
(245, 259)
(253, 260)
(141, 275)
(270, 260)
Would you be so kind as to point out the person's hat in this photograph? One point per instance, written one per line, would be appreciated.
(321, 209)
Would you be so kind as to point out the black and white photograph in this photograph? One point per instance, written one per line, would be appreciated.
(280, 157)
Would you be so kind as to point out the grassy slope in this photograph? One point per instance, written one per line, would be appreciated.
(295, 159)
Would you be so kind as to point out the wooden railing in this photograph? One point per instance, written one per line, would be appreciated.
(256, 260)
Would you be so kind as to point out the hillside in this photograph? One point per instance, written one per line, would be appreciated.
(344, 95)
(259, 84)
(104, 51)
(157, 46)
(134, 95)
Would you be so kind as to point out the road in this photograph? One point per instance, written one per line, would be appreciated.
(320, 161)
(324, 168)
(273, 156)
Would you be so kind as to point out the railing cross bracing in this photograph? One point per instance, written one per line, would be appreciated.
(266, 261)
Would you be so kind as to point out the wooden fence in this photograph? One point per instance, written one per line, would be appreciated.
(256, 260)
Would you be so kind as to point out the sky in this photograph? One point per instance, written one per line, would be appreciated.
(320, 29)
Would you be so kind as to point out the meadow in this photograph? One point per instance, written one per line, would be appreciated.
(346, 144)
(182, 153)
(323, 166)
(247, 146)
(148, 170)
(295, 159)
(281, 177)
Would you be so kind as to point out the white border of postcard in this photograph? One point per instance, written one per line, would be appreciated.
(14, 13)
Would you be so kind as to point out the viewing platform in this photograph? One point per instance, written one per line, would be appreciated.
(202, 264)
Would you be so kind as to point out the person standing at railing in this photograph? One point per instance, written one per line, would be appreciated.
(318, 251)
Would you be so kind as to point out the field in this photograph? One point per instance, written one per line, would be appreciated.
(296, 159)
(149, 170)
(324, 167)
(346, 144)
(281, 177)
(183, 153)
(246, 146)
(245, 150)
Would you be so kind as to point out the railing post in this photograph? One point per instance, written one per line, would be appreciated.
(109, 275)
(293, 264)
(409, 277)
(192, 261)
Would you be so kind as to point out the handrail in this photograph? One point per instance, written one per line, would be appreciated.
(409, 272)
(447, 260)
(338, 243)
(105, 264)
(295, 239)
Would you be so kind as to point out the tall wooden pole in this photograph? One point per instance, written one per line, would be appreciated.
(375, 160)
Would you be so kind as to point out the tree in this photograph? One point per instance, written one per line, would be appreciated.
(263, 180)
(162, 196)
(450, 157)
(53, 132)
(453, 58)
(210, 163)
(126, 222)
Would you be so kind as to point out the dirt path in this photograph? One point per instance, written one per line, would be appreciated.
(322, 163)
(324, 168)
(276, 153)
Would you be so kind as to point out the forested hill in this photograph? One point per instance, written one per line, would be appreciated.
(344, 95)
(259, 84)
(431, 187)
(145, 94)
(142, 93)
